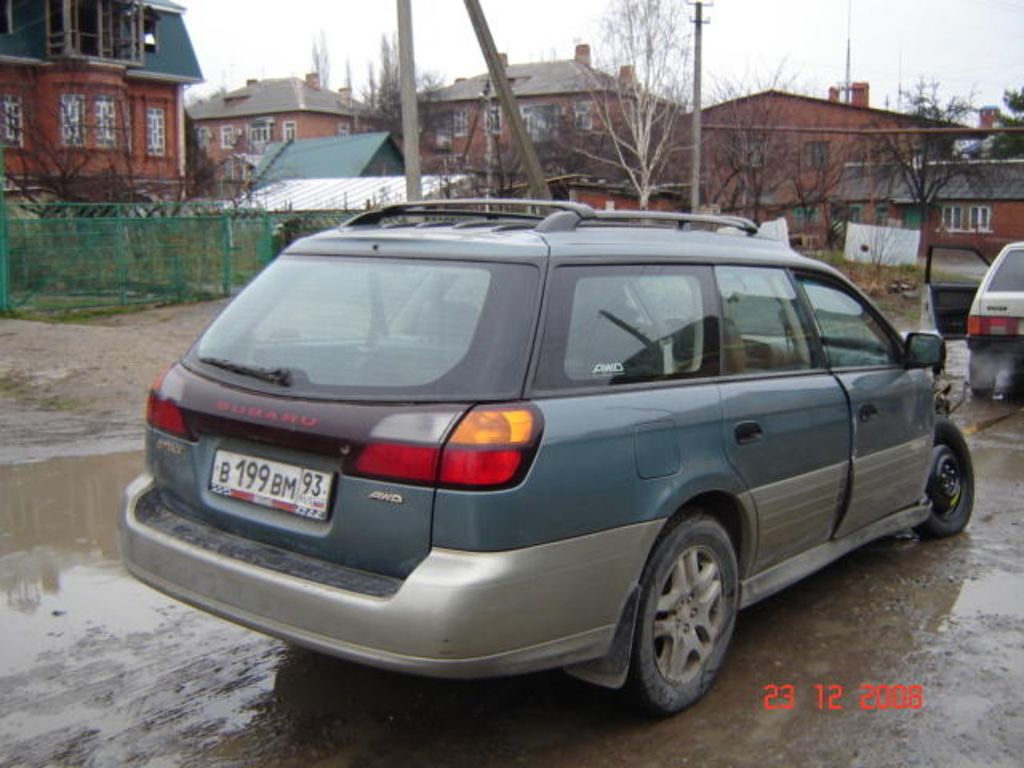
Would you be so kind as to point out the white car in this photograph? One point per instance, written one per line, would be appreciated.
(995, 325)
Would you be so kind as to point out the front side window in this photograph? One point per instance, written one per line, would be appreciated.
(851, 333)
(11, 120)
(72, 119)
(106, 122)
(155, 131)
(623, 325)
(762, 326)
(379, 329)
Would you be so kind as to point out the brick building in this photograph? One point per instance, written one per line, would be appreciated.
(466, 132)
(781, 154)
(233, 129)
(91, 97)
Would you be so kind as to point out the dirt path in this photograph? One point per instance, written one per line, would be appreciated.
(72, 389)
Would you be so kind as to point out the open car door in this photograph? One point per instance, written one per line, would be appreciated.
(952, 274)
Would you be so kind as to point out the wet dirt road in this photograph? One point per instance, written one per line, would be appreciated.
(98, 670)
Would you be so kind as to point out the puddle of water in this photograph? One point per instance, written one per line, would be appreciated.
(995, 594)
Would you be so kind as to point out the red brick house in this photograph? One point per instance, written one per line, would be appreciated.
(91, 98)
(234, 128)
(781, 154)
(466, 132)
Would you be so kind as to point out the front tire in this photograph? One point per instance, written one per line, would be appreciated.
(688, 603)
(950, 483)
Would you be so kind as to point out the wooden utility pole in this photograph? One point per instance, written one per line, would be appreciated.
(698, 23)
(410, 116)
(534, 175)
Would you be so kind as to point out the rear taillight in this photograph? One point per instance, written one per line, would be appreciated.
(491, 447)
(163, 413)
(989, 325)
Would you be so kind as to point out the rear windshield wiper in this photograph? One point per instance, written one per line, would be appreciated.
(281, 376)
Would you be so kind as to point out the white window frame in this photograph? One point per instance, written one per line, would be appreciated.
(980, 218)
(460, 122)
(583, 115)
(227, 137)
(105, 110)
(261, 133)
(12, 127)
(953, 218)
(493, 120)
(72, 119)
(290, 130)
(203, 137)
(344, 130)
(156, 131)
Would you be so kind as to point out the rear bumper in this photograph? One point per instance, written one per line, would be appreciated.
(458, 614)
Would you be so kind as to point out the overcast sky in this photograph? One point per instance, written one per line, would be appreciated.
(971, 47)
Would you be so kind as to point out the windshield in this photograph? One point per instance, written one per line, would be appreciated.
(376, 329)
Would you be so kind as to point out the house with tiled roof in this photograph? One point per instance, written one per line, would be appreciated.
(91, 97)
(981, 204)
(234, 128)
(465, 130)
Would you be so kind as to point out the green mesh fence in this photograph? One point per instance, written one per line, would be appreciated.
(77, 256)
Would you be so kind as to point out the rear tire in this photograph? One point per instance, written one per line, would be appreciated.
(950, 483)
(685, 620)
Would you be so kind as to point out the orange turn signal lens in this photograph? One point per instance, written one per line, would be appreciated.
(495, 426)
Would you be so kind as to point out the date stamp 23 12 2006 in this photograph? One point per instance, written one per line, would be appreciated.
(832, 697)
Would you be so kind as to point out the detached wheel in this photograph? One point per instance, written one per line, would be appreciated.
(686, 616)
(950, 483)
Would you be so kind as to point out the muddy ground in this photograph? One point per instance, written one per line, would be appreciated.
(98, 670)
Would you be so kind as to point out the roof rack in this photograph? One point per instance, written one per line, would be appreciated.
(564, 216)
(471, 207)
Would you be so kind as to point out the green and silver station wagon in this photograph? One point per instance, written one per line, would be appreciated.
(478, 438)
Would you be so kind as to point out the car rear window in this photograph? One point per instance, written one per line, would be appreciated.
(1010, 274)
(378, 329)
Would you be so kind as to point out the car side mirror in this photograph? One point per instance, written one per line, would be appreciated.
(924, 350)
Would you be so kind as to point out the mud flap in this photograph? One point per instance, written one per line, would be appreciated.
(612, 669)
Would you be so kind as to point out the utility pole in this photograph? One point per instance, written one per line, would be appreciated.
(410, 117)
(698, 26)
(534, 174)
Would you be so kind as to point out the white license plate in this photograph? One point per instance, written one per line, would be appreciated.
(290, 488)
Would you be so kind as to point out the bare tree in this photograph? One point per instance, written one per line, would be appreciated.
(648, 44)
(322, 60)
(928, 163)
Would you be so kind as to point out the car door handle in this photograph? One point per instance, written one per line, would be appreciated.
(867, 412)
(748, 432)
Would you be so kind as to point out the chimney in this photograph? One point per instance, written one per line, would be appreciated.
(859, 94)
(313, 80)
(988, 117)
(251, 82)
(460, 79)
(626, 73)
(346, 95)
(583, 54)
(833, 93)
(503, 58)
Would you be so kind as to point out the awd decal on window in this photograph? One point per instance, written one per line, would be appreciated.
(607, 369)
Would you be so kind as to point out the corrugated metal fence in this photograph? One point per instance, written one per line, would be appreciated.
(61, 256)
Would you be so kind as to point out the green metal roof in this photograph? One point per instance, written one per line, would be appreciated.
(335, 157)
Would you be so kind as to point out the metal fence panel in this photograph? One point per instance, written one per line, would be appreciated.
(71, 256)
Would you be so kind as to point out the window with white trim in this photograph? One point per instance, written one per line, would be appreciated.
(289, 128)
(583, 115)
(952, 218)
(227, 137)
(494, 119)
(260, 134)
(343, 129)
(460, 122)
(540, 120)
(981, 218)
(156, 131)
(106, 121)
(203, 137)
(72, 119)
(10, 120)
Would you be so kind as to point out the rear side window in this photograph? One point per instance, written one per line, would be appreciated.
(381, 328)
(1010, 275)
(762, 329)
(621, 325)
